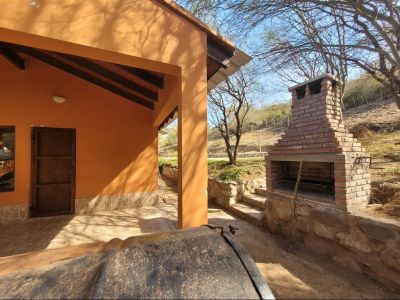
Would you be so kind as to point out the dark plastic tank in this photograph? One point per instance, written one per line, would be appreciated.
(183, 264)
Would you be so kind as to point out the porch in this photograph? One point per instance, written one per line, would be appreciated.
(290, 270)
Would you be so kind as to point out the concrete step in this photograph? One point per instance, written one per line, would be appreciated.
(248, 213)
(254, 200)
(262, 191)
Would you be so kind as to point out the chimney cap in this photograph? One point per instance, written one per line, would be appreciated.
(322, 76)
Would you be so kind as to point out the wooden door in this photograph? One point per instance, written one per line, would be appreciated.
(53, 171)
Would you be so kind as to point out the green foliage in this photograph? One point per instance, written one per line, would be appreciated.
(246, 168)
(362, 90)
(271, 114)
(167, 162)
(258, 118)
(231, 173)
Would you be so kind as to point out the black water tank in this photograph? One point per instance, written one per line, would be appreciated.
(193, 263)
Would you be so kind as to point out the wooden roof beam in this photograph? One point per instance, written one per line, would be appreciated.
(12, 56)
(115, 77)
(46, 58)
(144, 75)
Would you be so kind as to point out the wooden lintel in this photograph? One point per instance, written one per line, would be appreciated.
(53, 61)
(144, 75)
(109, 74)
(12, 57)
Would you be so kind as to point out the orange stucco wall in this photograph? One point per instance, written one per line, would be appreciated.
(141, 33)
(116, 142)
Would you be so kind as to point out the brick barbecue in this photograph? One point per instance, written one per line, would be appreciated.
(334, 166)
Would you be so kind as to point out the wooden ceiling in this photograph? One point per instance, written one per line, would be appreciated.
(137, 85)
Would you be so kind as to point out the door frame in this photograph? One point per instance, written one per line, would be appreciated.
(32, 212)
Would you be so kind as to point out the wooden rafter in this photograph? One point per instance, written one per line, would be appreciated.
(66, 67)
(168, 118)
(113, 76)
(144, 75)
(12, 56)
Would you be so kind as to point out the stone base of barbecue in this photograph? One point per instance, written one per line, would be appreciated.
(358, 243)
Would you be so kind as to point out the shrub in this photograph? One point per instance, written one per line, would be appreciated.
(232, 173)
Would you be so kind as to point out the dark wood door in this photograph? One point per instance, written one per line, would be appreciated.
(53, 171)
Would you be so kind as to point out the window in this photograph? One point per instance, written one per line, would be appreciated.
(7, 158)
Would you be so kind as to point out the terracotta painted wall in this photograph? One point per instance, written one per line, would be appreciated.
(141, 33)
(116, 142)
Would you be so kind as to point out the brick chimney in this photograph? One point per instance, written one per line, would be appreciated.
(335, 168)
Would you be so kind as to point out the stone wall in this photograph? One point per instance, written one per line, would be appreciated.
(13, 213)
(107, 203)
(358, 243)
(222, 193)
(170, 172)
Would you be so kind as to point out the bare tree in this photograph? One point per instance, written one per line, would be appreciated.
(371, 42)
(229, 104)
(300, 49)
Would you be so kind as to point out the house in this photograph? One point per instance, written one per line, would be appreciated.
(85, 87)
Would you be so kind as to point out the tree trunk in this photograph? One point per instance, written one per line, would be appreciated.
(232, 159)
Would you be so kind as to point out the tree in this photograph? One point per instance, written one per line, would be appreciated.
(372, 30)
(300, 49)
(229, 104)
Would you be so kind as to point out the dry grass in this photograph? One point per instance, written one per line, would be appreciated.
(383, 146)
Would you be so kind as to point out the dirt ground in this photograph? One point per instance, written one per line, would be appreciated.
(290, 270)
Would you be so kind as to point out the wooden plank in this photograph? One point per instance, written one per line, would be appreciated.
(46, 58)
(296, 189)
(12, 57)
(115, 77)
(144, 75)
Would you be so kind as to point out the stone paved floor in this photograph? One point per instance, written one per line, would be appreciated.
(290, 270)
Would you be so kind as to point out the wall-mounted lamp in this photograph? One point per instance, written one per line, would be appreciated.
(59, 99)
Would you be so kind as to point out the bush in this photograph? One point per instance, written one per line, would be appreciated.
(362, 90)
(232, 173)
(167, 162)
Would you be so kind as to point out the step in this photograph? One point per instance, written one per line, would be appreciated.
(246, 212)
(254, 200)
(262, 191)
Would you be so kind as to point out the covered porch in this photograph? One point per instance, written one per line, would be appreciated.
(86, 95)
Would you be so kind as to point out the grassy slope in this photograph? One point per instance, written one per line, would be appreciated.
(246, 168)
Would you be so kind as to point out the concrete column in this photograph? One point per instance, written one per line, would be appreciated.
(192, 148)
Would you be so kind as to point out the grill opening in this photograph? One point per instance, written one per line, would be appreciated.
(317, 178)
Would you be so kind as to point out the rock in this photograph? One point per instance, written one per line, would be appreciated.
(376, 230)
(329, 216)
(272, 224)
(241, 188)
(223, 193)
(374, 268)
(354, 240)
(319, 245)
(284, 210)
(323, 230)
(287, 228)
(303, 210)
(345, 259)
(303, 224)
(391, 256)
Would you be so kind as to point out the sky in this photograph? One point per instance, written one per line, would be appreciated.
(275, 87)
